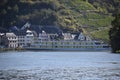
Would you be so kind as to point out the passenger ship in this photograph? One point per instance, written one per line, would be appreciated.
(73, 45)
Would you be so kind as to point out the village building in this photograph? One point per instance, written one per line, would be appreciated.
(3, 40)
(44, 36)
(12, 40)
(68, 36)
(81, 37)
(30, 38)
(21, 37)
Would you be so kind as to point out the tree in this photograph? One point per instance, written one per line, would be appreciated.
(114, 34)
(15, 8)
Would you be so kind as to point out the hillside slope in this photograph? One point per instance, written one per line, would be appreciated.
(69, 15)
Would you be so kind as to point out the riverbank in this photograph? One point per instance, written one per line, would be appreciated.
(49, 50)
(11, 49)
(82, 73)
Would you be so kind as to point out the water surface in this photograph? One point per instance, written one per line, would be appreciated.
(33, 60)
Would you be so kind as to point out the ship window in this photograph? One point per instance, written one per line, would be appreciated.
(80, 43)
(91, 43)
(74, 43)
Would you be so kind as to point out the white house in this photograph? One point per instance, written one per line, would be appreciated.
(13, 40)
(88, 38)
(68, 36)
(3, 40)
(21, 38)
(44, 36)
(81, 37)
(29, 38)
(21, 41)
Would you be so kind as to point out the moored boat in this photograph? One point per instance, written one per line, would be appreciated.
(73, 45)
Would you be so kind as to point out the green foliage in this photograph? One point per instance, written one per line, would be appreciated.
(70, 15)
(79, 5)
(114, 33)
(101, 34)
(15, 8)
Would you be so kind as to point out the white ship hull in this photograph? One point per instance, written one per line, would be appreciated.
(68, 49)
(68, 46)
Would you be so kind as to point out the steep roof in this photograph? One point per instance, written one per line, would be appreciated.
(38, 29)
(10, 35)
(48, 29)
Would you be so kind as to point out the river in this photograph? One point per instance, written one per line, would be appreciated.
(43, 65)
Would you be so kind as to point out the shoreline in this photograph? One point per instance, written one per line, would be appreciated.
(11, 49)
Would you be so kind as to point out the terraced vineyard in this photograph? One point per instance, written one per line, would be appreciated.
(69, 15)
(94, 20)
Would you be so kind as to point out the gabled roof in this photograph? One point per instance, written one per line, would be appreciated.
(48, 29)
(10, 35)
(38, 29)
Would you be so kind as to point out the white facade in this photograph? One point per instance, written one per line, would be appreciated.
(43, 36)
(68, 45)
(13, 40)
(88, 38)
(26, 38)
(81, 37)
(3, 40)
(21, 41)
(68, 36)
(1, 34)
(29, 38)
